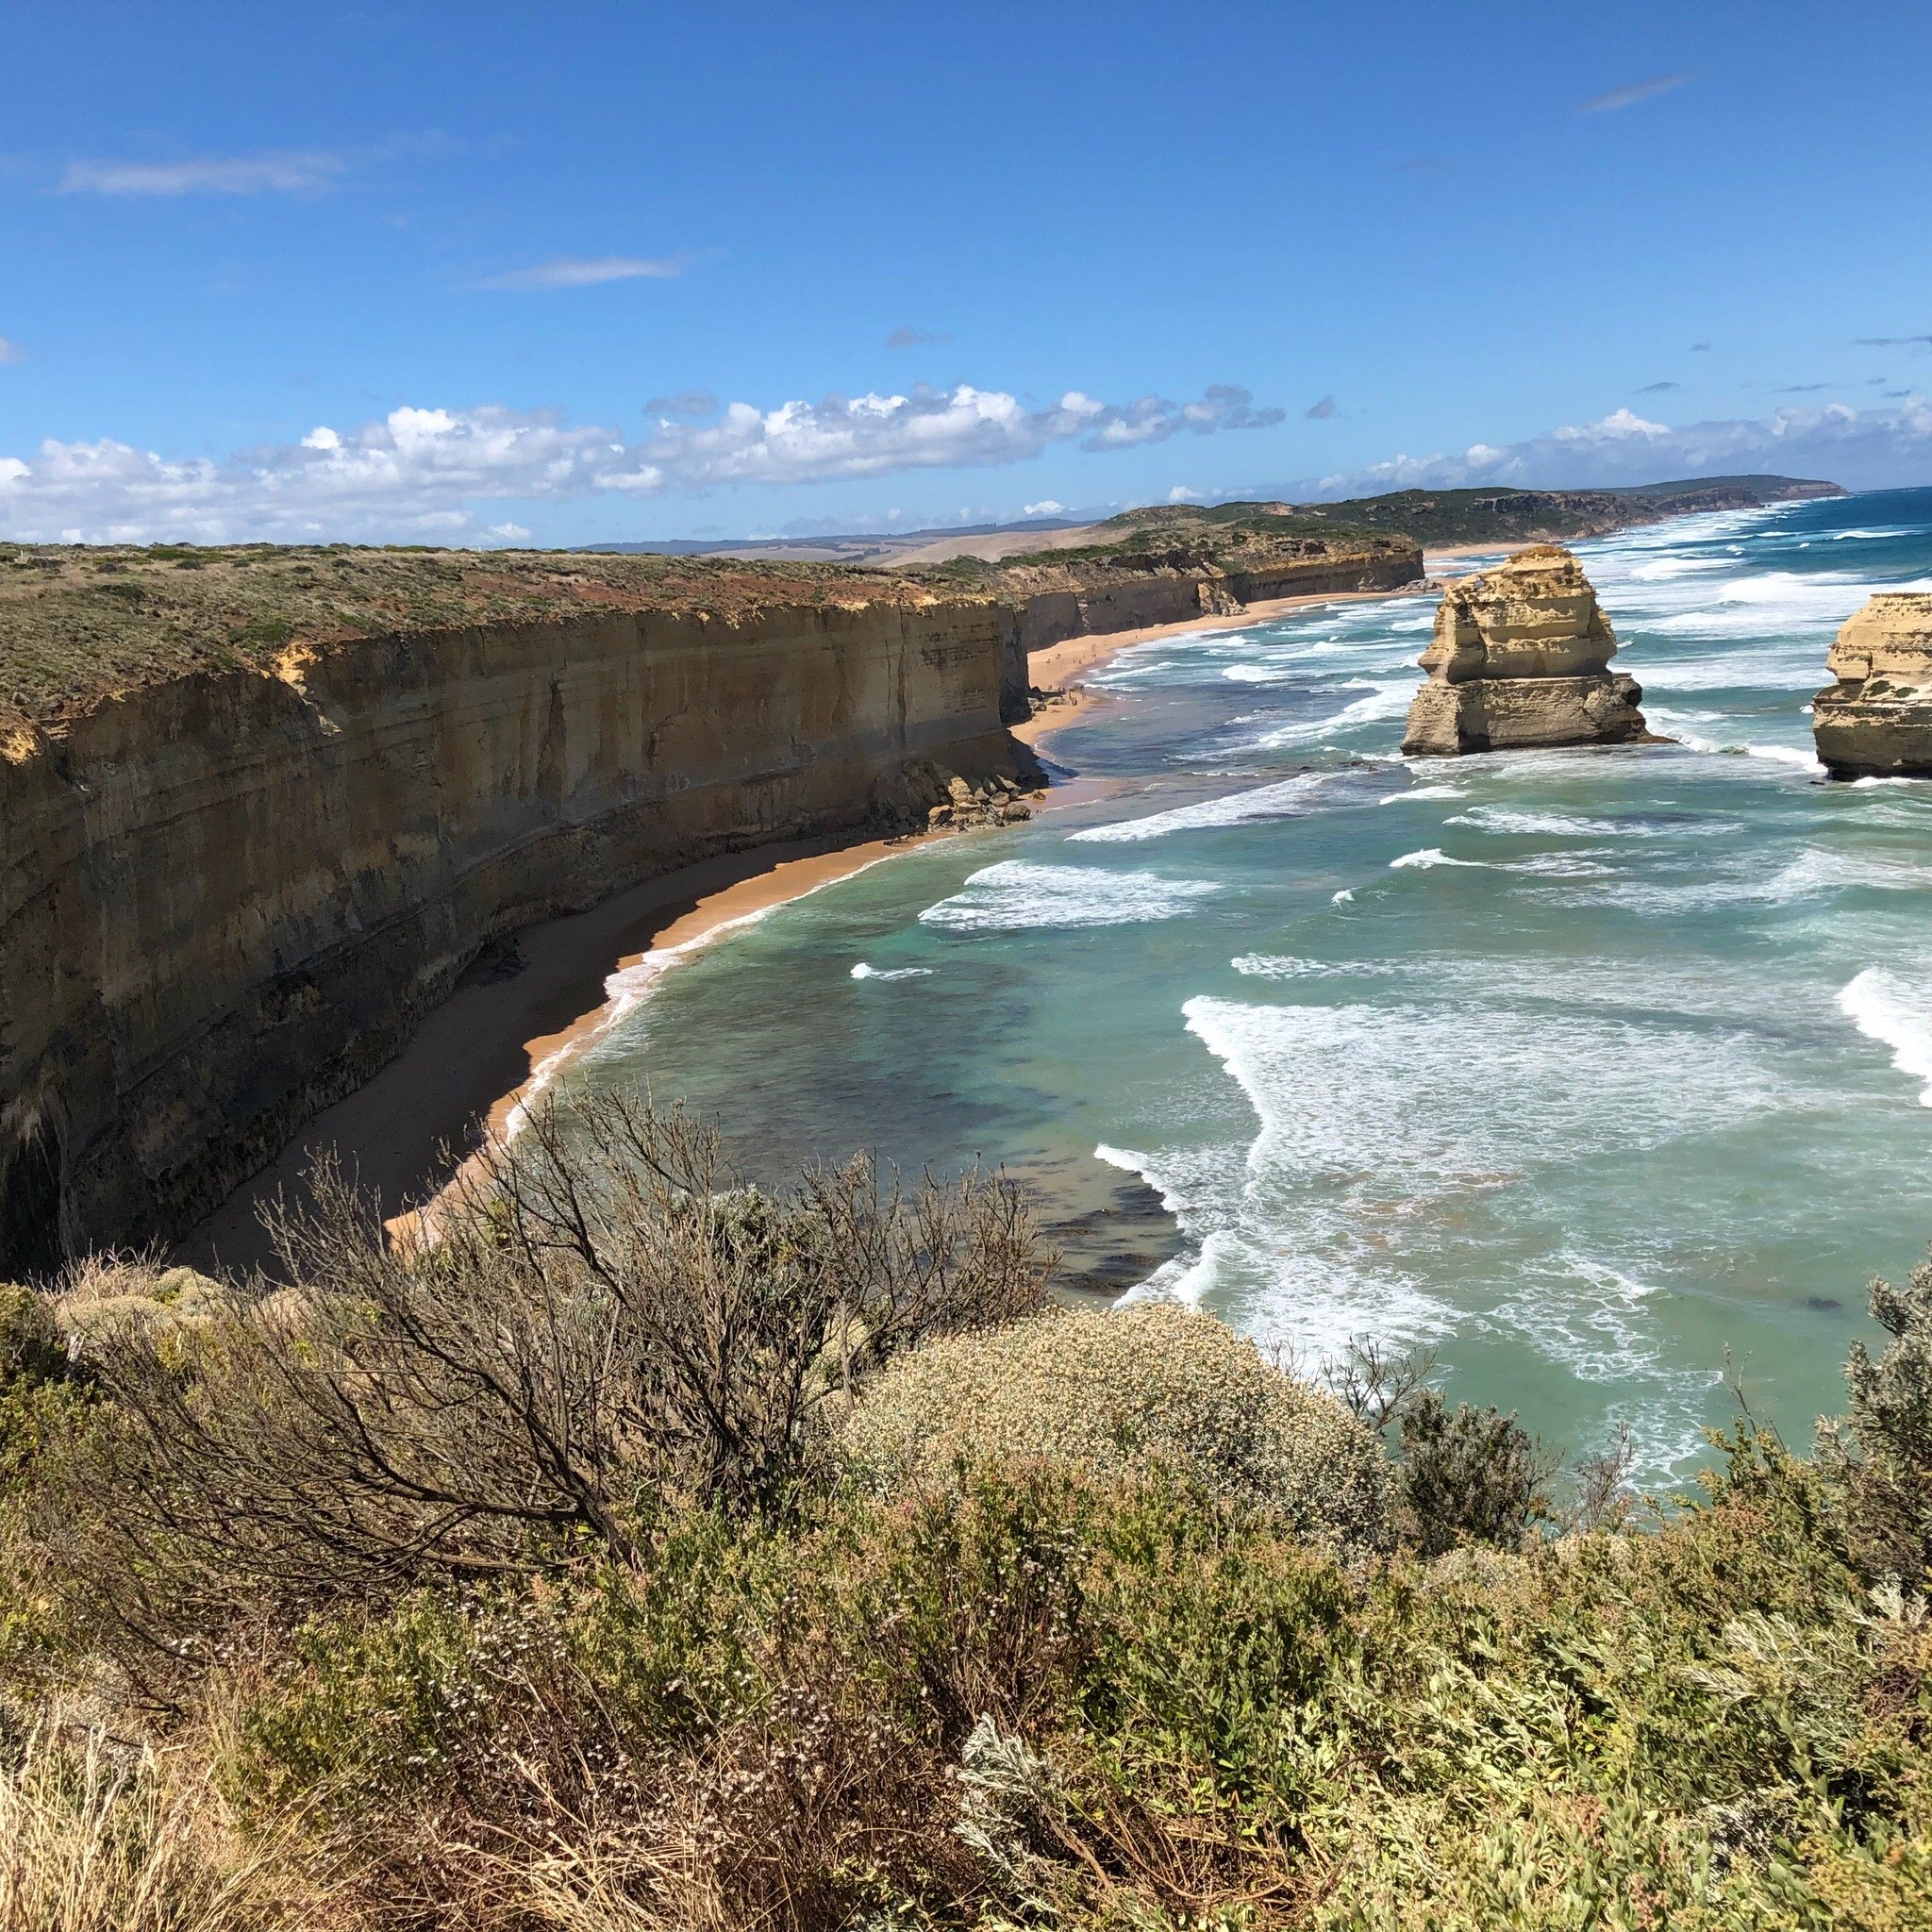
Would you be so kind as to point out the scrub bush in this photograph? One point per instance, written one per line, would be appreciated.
(1130, 1389)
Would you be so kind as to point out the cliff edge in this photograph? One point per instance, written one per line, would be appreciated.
(1520, 658)
(260, 809)
(1876, 720)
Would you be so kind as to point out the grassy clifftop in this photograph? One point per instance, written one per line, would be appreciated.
(80, 624)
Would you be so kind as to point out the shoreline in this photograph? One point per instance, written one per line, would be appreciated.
(531, 1004)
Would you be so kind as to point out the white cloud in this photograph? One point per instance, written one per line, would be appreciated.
(1046, 506)
(1863, 449)
(10, 352)
(309, 171)
(420, 472)
(571, 271)
(1181, 493)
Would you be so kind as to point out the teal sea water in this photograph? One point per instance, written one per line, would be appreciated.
(1582, 1067)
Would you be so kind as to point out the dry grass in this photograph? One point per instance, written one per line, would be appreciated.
(98, 1839)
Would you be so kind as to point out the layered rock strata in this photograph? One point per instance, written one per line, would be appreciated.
(227, 895)
(1135, 587)
(1520, 658)
(1875, 722)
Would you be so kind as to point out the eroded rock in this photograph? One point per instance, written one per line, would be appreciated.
(1876, 720)
(1520, 658)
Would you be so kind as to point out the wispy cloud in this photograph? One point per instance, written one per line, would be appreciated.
(1698, 348)
(1320, 412)
(306, 172)
(422, 473)
(907, 336)
(1893, 342)
(687, 402)
(10, 352)
(1621, 97)
(1803, 389)
(578, 272)
(1656, 388)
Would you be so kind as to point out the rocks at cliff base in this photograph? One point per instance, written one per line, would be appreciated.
(1520, 658)
(997, 802)
(1876, 721)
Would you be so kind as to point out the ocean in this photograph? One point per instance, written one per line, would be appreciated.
(1594, 1070)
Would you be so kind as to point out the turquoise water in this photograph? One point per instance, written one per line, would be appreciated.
(1582, 1067)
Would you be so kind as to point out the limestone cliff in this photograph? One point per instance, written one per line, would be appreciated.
(1876, 720)
(1155, 578)
(1521, 657)
(232, 882)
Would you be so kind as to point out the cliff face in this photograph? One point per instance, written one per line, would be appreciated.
(1876, 720)
(228, 896)
(1133, 587)
(1520, 656)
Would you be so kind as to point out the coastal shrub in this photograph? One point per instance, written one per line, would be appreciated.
(1469, 1475)
(601, 1324)
(1879, 1458)
(1130, 1389)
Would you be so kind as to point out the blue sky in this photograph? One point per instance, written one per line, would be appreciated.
(472, 273)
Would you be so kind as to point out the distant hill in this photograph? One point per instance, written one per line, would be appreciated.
(1437, 519)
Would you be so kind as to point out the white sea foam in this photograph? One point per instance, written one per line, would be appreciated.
(1898, 1014)
(1146, 1168)
(1290, 798)
(1286, 966)
(1496, 818)
(1345, 897)
(1382, 1129)
(1016, 895)
(864, 972)
(1425, 791)
(1434, 855)
(1383, 701)
(1773, 602)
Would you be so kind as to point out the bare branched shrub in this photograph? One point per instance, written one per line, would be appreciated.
(1604, 1499)
(1376, 1382)
(602, 1319)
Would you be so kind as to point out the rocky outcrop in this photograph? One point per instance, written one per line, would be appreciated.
(1876, 720)
(227, 895)
(1520, 658)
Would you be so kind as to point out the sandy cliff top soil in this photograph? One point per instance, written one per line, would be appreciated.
(80, 625)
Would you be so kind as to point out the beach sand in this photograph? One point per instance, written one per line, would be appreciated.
(522, 1012)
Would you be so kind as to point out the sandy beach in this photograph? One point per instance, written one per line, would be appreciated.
(522, 1013)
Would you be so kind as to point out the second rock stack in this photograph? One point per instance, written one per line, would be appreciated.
(1520, 658)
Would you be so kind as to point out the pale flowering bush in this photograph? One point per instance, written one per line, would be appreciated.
(1135, 1387)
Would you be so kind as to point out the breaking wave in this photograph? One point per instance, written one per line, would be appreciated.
(1017, 896)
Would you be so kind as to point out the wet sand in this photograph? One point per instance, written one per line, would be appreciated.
(523, 1002)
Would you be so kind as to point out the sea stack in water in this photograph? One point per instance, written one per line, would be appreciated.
(1521, 657)
(1876, 721)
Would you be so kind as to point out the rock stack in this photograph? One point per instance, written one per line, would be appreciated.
(1521, 657)
(1876, 721)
